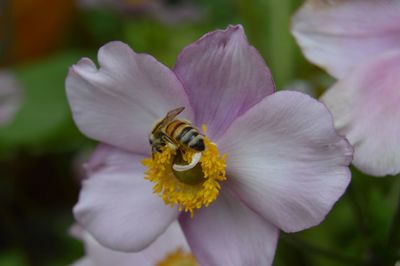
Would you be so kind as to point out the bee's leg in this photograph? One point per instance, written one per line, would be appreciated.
(154, 149)
(167, 140)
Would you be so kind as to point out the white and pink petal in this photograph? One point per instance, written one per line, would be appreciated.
(119, 103)
(97, 255)
(339, 35)
(223, 76)
(116, 204)
(286, 160)
(229, 233)
(365, 107)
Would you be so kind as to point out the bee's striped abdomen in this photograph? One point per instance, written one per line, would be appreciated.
(197, 142)
(174, 128)
(183, 133)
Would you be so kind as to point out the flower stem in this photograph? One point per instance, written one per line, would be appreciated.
(311, 248)
(359, 215)
(394, 231)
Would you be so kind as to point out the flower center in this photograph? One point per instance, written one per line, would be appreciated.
(178, 258)
(186, 177)
(192, 173)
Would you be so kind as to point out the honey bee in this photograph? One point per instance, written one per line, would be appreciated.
(176, 133)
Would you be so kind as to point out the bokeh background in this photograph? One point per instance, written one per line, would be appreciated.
(41, 150)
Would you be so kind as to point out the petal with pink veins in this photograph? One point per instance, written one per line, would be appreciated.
(339, 35)
(229, 233)
(116, 204)
(168, 242)
(223, 76)
(365, 107)
(286, 160)
(119, 103)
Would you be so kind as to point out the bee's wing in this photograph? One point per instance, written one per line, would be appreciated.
(173, 113)
(170, 116)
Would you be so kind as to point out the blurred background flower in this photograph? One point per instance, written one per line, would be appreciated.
(10, 96)
(165, 11)
(39, 146)
(356, 42)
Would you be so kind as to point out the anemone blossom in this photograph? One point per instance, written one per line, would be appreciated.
(272, 160)
(358, 42)
(169, 249)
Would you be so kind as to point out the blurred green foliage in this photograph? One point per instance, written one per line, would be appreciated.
(41, 148)
(44, 114)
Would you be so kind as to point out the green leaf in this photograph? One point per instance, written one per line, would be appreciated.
(12, 258)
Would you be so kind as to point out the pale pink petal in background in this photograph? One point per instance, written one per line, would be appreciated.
(170, 14)
(164, 11)
(286, 160)
(10, 96)
(366, 108)
(116, 204)
(223, 76)
(119, 103)
(229, 233)
(339, 35)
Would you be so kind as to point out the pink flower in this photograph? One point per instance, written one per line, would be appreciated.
(358, 42)
(285, 168)
(170, 247)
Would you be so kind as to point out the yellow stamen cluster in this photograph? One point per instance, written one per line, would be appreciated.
(178, 258)
(187, 196)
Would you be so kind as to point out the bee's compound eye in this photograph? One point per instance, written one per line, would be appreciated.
(151, 142)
